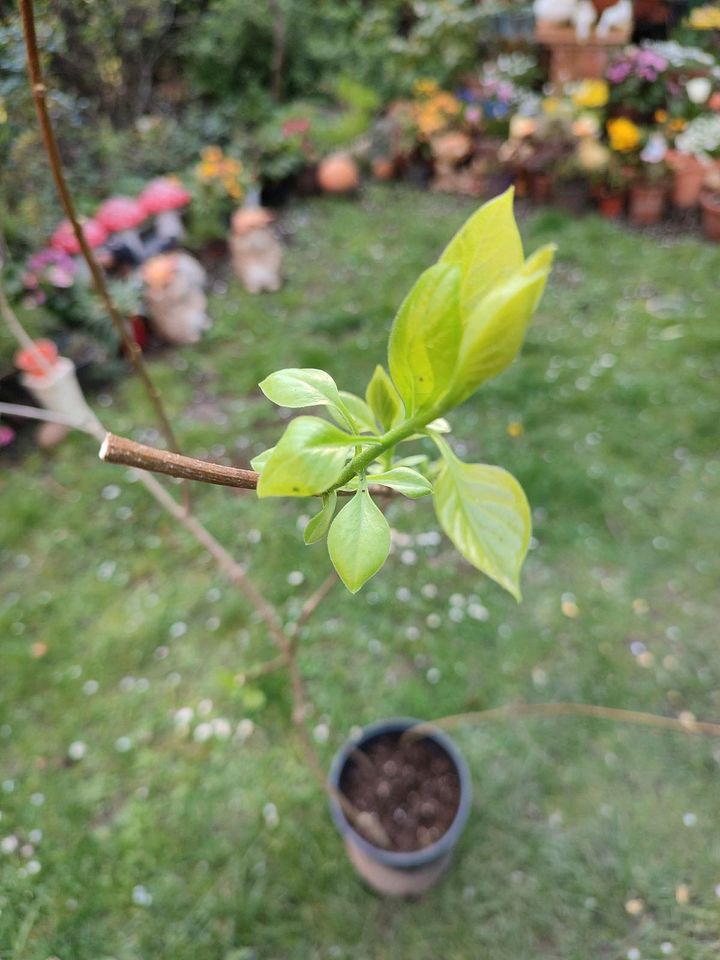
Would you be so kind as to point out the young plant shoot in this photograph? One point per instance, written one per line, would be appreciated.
(462, 323)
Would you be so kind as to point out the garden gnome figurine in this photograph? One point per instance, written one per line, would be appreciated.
(175, 296)
(257, 254)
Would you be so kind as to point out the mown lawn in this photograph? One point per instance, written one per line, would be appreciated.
(587, 839)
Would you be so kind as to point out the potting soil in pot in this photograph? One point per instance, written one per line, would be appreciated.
(411, 786)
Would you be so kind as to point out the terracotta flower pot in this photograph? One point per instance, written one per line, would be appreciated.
(418, 790)
(572, 196)
(610, 205)
(541, 187)
(710, 203)
(647, 203)
(688, 177)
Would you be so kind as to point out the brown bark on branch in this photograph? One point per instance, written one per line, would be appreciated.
(131, 454)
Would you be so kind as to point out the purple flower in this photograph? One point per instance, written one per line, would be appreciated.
(55, 266)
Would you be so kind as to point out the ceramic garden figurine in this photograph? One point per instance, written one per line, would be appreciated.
(256, 252)
(175, 297)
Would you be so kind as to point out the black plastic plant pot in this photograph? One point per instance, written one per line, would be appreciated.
(397, 869)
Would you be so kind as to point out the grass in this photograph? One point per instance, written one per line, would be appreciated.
(157, 844)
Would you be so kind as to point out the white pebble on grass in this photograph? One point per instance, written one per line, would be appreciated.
(296, 578)
(433, 675)
(123, 744)
(177, 630)
(202, 732)
(321, 733)
(9, 844)
(633, 954)
(221, 728)
(690, 819)
(141, 896)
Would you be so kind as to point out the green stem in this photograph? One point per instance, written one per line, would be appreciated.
(390, 439)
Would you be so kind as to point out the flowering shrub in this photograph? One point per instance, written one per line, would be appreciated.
(591, 94)
(705, 18)
(624, 135)
(217, 187)
(637, 80)
(701, 137)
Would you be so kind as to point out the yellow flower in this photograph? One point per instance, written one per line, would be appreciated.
(624, 134)
(661, 116)
(426, 87)
(677, 125)
(515, 429)
(590, 94)
(551, 105)
(212, 154)
(705, 18)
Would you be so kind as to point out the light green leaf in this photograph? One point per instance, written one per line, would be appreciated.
(301, 388)
(485, 513)
(425, 337)
(406, 481)
(494, 333)
(258, 462)
(319, 525)
(359, 541)
(308, 458)
(383, 399)
(361, 414)
(487, 248)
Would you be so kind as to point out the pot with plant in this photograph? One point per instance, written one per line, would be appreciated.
(648, 194)
(641, 158)
(710, 204)
(571, 190)
(696, 147)
(403, 798)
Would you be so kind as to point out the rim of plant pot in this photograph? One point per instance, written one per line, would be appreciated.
(390, 858)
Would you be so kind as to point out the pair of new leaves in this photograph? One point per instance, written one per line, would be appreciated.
(463, 322)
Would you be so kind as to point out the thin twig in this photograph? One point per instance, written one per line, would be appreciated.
(261, 670)
(21, 334)
(132, 454)
(40, 413)
(39, 91)
(682, 724)
(312, 603)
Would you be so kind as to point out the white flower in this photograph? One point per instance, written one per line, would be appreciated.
(698, 89)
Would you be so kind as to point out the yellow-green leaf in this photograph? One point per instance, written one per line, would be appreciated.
(319, 525)
(486, 249)
(359, 541)
(425, 337)
(383, 399)
(301, 388)
(485, 513)
(406, 481)
(495, 331)
(308, 458)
